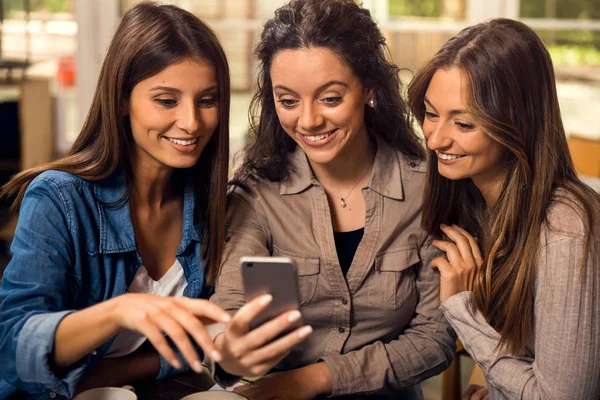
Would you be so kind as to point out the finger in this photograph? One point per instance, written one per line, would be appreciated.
(470, 390)
(204, 309)
(474, 245)
(168, 324)
(452, 252)
(277, 348)
(442, 265)
(192, 326)
(156, 338)
(240, 323)
(270, 330)
(462, 244)
(480, 394)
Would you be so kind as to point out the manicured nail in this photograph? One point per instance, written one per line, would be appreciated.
(197, 366)
(176, 363)
(305, 331)
(216, 356)
(225, 317)
(294, 316)
(266, 299)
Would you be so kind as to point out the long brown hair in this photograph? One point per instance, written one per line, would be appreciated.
(150, 38)
(349, 31)
(512, 94)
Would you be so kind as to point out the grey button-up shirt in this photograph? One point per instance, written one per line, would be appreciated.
(379, 329)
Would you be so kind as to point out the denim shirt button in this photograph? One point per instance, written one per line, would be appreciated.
(193, 281)
(342, 330)
(52, 395)
(94, 353)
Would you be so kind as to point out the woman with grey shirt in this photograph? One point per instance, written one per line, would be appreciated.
(524, 297)
(333, 178)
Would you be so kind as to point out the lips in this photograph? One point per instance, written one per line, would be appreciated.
(319, 137)
(449, 157)
(182, 142)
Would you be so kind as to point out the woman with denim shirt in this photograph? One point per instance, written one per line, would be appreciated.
(117, 244)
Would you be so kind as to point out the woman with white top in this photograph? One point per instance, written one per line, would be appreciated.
(118, 243)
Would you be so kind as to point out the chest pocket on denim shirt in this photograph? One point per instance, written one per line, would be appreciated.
(392, 281)
(308, 274)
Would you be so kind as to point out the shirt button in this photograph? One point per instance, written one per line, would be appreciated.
(94, 353)
(193, 280)
(227, 239)
(52, 395)
(412, 164)
(342, 330)
(344, 301)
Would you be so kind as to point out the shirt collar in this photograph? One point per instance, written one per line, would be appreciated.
(116, 230)
(386, 178)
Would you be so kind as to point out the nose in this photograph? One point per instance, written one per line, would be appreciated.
(310, 117)
(188, 118)
(438, 136)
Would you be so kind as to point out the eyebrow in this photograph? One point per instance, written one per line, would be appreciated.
(453, 112)
(319, 89)
(175, 90)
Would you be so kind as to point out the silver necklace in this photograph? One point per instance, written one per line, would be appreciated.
(343, 199)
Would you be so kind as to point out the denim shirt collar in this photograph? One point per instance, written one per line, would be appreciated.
(116, 230)
(386, 178)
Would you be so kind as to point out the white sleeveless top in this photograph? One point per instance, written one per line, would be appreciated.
(172, 283)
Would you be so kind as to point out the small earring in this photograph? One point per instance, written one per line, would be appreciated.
(372, 102)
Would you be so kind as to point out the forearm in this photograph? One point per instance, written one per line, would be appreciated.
(126, 370)
(83, 331)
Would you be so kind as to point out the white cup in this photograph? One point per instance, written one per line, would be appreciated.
(108, 393)
(215, 395)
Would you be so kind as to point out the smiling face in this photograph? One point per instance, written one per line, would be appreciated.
(173, 114)
(320, 103)
(463, 148)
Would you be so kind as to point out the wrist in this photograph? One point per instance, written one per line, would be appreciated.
(320, 375)
(114, 307)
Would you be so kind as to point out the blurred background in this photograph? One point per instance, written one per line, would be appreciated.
(51, 52)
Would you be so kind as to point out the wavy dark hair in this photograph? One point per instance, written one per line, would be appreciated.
(349, 31)
(150, 38)
(512, 95)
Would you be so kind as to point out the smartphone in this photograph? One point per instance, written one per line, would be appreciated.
(276, 276)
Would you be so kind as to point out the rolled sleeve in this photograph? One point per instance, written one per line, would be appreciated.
(35, 347)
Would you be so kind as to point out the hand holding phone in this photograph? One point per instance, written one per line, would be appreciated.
(276, 276)
(252, 344)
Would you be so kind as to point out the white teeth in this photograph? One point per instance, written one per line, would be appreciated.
(183, 142)
(317, 137)
(449, 156)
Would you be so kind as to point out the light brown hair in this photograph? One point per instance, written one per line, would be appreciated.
(150, 38)
(512, 95)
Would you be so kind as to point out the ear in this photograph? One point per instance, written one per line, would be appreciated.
(369, 92)
(125, 107)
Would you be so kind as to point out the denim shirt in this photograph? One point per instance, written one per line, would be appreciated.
(74, 247)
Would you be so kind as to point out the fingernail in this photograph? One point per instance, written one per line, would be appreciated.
(197, 366)
(294, 316)
(216, 356)
(266, 299)
(225, 317)
(176, 363)
(307, 330)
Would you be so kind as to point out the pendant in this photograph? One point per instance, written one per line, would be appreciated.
(342, 202)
